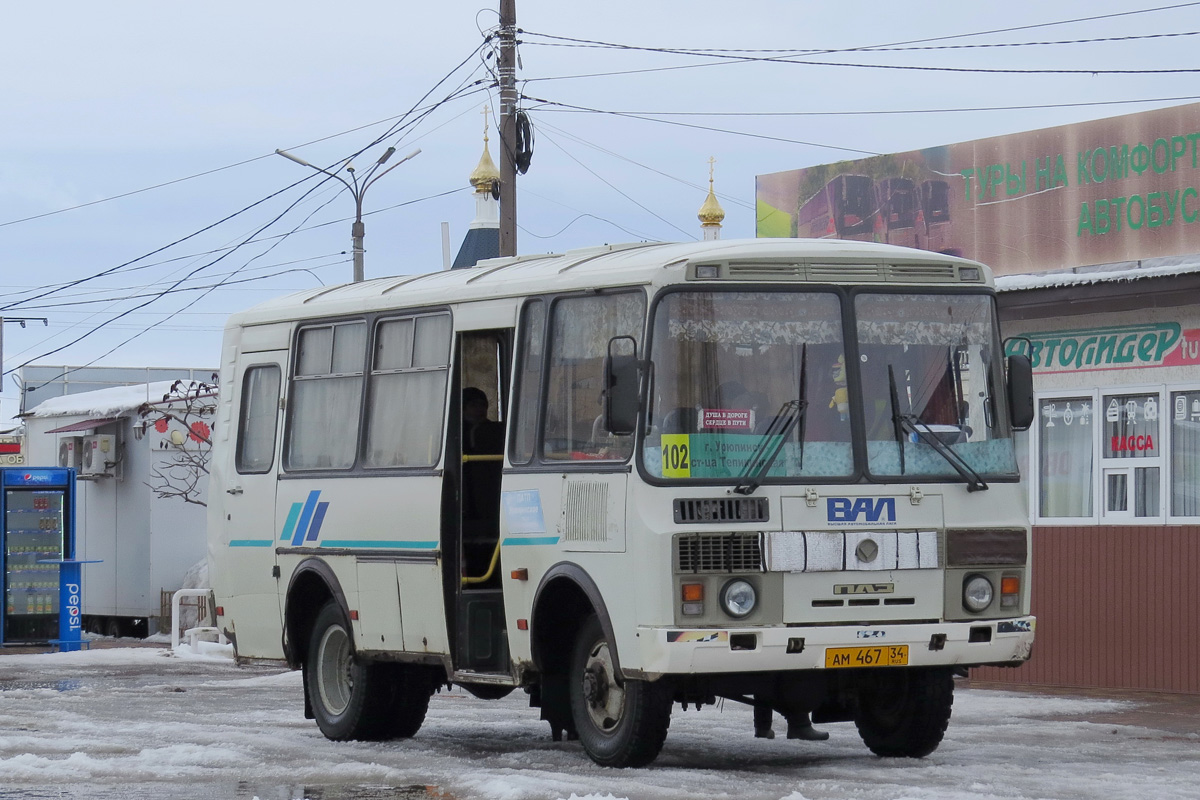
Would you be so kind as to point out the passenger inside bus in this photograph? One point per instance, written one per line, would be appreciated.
(481, 436)
(481, 480)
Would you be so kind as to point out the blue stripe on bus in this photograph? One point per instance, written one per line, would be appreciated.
(318, 518)
(290, 524)
(520, 540)
(378, 543)
(250, 542)
(305, 517)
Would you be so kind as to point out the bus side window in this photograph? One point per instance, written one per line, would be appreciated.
(407, 391)
(580, 330)
(325, 396)
(528, 382)
(257, 419)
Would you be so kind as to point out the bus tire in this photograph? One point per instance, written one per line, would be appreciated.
(619, 725)
(904, 713)
(350, 697)
(410, 690)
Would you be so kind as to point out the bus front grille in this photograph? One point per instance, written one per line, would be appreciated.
(718, 552)
(721, 509)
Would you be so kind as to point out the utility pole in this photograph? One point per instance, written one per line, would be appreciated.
(507, 64)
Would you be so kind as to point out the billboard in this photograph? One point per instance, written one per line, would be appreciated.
(1110, 190)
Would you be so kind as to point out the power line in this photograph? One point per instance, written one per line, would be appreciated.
(903, 67)
(733, 57)
(950, 37)
(85, 300)
(610, 185)
(557, 202)
(606, 151)
(134, 261)
(874, 48)
(175, 287)
(203, 173)
(703, 127)
(883, 112)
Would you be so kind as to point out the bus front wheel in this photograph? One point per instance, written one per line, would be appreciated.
(350, 697)
(904, 713)
(620, 724)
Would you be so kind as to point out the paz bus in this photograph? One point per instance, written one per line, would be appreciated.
(776, 472)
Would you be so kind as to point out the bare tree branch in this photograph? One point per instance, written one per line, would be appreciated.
(184, 417)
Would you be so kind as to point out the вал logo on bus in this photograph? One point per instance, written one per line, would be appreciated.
(1125, 444)
(861, 509)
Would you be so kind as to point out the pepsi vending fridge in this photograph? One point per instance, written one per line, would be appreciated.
(37, 541)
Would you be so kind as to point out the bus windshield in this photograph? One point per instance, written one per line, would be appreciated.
(930, 375)
(728, 366)
(757, 384)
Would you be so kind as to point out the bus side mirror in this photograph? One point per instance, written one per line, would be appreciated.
(621, 386)
(1020, 392)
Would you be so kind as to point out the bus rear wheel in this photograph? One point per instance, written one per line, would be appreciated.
(352, 698)
(903, 713)
(620, 724)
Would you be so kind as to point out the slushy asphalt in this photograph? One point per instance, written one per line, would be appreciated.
(1174, 714)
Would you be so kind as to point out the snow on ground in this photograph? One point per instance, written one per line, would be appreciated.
(141, 722)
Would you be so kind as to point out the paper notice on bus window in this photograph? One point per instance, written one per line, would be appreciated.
(728, 418)
(676, 455)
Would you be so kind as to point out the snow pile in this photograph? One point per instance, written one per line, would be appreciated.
(1166, 267)
(103, 402)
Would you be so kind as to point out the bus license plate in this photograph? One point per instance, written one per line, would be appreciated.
(885, 656)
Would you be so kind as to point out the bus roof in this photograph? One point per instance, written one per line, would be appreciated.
(642, 263)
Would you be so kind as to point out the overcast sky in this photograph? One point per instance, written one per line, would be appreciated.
(104, 100)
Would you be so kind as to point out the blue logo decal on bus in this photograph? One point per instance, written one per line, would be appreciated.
(861, 509)
(303, 523)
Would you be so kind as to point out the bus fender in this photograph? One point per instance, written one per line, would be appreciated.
(302, 605)
(562, 597)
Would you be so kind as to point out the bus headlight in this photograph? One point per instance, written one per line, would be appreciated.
(977, 593)
(738, 598)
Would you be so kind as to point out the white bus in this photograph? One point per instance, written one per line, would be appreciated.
(779, 472)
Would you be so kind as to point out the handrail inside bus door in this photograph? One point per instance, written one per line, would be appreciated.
(467, 580)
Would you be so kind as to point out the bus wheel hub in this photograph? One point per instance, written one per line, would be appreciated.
(595, 685)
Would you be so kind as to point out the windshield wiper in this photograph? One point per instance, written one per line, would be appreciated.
(790, 413)
(903, 424)
(761, 460)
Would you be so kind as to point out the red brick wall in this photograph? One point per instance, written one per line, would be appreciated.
(1118, 607)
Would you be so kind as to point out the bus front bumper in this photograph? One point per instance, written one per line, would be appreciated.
(666, 651)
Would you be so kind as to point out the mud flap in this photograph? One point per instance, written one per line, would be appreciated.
(553, 697)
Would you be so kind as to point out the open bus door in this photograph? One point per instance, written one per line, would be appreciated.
(471, 505)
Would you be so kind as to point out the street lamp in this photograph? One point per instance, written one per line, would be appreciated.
(357, 189)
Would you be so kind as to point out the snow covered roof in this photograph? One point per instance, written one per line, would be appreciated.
(102, 402)
(1165, 267)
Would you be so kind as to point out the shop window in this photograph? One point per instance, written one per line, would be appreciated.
(1065, 473)
(1185, 454)
(1131, 435)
